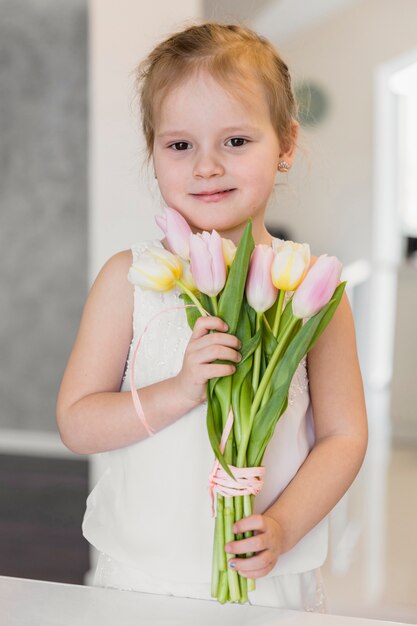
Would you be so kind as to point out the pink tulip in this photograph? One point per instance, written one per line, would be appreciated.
(317, 287)
(260, 291)
(208, 266)
(176, 230)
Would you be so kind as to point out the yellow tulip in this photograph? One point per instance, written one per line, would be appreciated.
(156, 269)
(229, 251)
(290, 265)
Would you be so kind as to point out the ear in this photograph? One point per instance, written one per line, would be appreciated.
(290, 144)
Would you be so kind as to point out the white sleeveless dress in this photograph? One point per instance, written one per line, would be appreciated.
(149, 515)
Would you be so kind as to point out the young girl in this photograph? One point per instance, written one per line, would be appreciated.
(219, 118)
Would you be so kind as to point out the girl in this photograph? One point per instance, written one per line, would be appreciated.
(219, 118)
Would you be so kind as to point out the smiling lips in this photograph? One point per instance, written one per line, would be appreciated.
(213, 196)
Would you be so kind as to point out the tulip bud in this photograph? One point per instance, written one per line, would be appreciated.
(176, 230)
(290, 265)
(317, 287)
(156, 269)
(229, 251)
(208, 267)
(260, 291)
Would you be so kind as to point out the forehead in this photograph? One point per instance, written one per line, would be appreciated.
(202, 96)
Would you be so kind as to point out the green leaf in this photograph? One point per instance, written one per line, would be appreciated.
(192, 312)
(269, 343)
(214, 441)
(267, 417)
(271, 312)
(251, 314)
(286, 317)
(249, 347)
(206, 303)
(231, 298)
(238, 380)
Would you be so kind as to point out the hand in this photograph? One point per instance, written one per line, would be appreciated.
(267, 543)
(203, 348)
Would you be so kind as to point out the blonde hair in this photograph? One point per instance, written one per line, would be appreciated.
(232, 54)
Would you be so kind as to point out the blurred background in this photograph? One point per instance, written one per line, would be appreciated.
(74, 190)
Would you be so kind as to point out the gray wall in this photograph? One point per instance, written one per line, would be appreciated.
(43, 201)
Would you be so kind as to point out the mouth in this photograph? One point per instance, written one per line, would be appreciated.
(213, 196)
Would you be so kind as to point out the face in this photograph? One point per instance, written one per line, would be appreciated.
(216, 158)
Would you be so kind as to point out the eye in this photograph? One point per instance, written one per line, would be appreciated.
(179, 145)
(237, 141)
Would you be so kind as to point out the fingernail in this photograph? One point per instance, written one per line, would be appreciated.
(232, 564)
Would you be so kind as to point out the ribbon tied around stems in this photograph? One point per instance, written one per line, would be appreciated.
(249, 480)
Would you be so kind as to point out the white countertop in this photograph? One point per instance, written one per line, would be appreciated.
(25, 602)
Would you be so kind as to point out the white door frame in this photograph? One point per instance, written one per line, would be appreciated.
(386, 225)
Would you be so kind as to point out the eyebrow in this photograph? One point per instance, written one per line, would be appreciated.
(228, 129)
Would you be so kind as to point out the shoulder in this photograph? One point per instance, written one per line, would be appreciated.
(115, 269)
(111, 288)
(118, 262)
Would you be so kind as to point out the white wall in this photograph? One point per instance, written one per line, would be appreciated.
(121, 204)
(329, 202)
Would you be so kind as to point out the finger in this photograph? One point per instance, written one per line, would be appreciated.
(252, 522)
(213, 353)
(218, 370)
(218, 338)
(204, 324)
(258, 573)
(252, 564)
(250, 544)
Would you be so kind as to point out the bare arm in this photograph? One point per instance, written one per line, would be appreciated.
(340, 419)
(92, 414)
(339, 411)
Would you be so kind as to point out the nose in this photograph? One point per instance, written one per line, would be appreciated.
(208, 164)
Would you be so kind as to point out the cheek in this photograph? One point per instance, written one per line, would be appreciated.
(261, 178)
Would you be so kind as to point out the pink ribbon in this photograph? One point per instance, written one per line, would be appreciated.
(249, 480)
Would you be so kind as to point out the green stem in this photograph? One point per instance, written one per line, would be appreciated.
(243, 589)
(251, 582)
(258, 353)
(215, 305)
(190, 294)
(238, 502)
(265, 321)
(215, 572)
(271, 366)
(223, 588)
(278, 312)
(232, 575)
(262, 388)
(219, 529)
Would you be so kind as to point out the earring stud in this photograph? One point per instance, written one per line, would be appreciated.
(283, 166)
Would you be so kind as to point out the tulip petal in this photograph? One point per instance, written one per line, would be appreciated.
(317, 287)
(260, 291)
(208, 267)
(176, 230)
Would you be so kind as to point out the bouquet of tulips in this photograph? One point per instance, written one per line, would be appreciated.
(245, 286)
